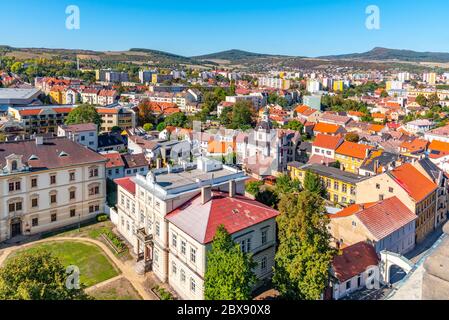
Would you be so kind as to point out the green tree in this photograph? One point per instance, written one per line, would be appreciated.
(242, 115)
(253, 187)
(285, 185)
(84, 114)
(421, 100)
(313, 183)
(17, 67)
(177, 119)
(161, 126)
(145, 113)
(36, 275)
(294, 125)
(229, 274)
(304, 256)
(148, 127)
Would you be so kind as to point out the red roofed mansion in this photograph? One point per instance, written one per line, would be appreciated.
(170, 216)
(48, 184)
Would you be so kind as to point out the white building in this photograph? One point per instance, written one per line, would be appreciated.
(419, 126)
(48, 184)
(85, 134)
(171, 215)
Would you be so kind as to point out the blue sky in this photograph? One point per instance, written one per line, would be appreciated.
(192, 27)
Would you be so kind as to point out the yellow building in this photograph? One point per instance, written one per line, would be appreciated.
(340, 185)
(338, 85)
(351, 155)
(56, 96)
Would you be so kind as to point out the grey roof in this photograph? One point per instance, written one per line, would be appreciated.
(18, 96)
(331, 172)
(431, 168)
(384, 159)
(106, 140)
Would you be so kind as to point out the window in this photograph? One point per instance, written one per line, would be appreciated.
(92, 209)
(173, 268)
(183, 275)
(34, 202)
(14, 186)
(348, 285)
(33, 182)
(72, 176)
(390, 189)
(72, 194)
(53, 198)
(53, 217)
(192, 285)
(193, 255)
(381, 197)
(93, 172)
(35, 222)
(263, 264)
(335, 197)
(15, 206)
(158, 230)
(354, 224)
(377, 186)
(344, 187)
(14, 165)
(174, 240)
(94, 190)
(183, 247)
(335, 185)
(72, 212)
(53, 179)
(264, 236)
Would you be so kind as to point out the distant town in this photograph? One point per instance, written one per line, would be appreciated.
(229, 176)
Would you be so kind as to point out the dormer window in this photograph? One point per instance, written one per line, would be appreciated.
(14, 165)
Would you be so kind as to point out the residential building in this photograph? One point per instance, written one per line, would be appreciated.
(135, 163)
(352, 268)
(419, 126)
(84, 134)
(340, 185)
(48, 184)
(325, 146)
(171, 215)
(122, 117)
(351, 155)
(115, 167)
(111, 141)
(386, 224)
(413, 189)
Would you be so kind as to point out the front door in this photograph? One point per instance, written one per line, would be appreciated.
(16, 229)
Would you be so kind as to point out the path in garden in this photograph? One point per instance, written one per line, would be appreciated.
(127, 269)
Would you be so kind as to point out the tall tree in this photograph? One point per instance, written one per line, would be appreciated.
(229, 274)
(84, 114)
(304, 256)
(242, 115)
(313, 183)
(145, 113)
(285, 185)
(36, 275)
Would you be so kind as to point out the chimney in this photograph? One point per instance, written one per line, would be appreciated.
(206, 194)
(39, 140)
(232, 188)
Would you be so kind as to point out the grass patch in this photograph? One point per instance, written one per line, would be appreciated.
(120, 289)
(94, 266)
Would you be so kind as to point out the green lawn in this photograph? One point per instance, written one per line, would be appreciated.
(120, 289)
(94, 266)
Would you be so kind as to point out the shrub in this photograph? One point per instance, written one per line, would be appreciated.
(163, 294)
(102, 217)
(253, 187)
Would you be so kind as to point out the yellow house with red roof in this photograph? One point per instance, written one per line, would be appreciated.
(351, 155)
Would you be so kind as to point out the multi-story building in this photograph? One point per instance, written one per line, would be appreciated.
(160, 78)
(40, 119)
(275, 83)
(145, 76)
(48, 184)
(411, 187)
(387, 225)
(171, 215)
(84, 134)
(107, 97)
(351, 155)
(338, 85)
(122, 117)
(340, 185)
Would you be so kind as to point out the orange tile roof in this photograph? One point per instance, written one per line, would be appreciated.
(415, 145)
(439, 146)
(214, 146)
(305, 110)
(326, 127)
(376, 127)
(378, 115)
(352, 149)
(31, 112)
(62, 110)
(114, 160)
(413, 181)
(107, 110)
(327, 142)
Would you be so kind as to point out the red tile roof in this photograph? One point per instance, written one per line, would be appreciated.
(114, 160)
(381, 218)
(327, 142)
(413, 181)
(352, 149)
(200, 221)
(354, 260)
(127, 184)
